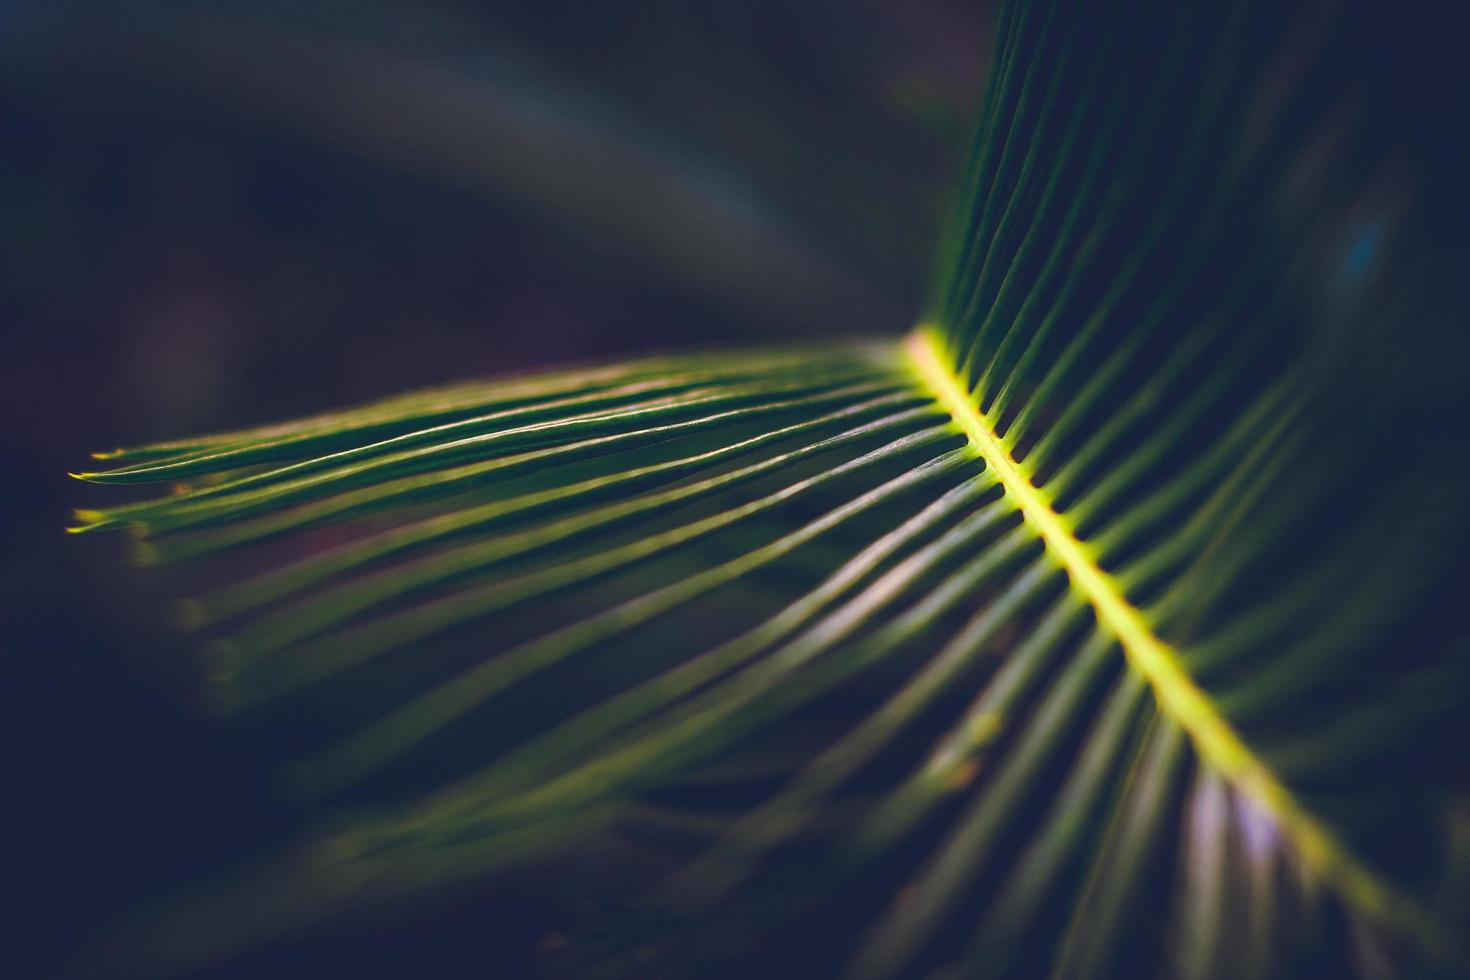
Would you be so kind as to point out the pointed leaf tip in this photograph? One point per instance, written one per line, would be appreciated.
(87, 520)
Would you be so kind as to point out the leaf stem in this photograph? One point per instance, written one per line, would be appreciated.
(1179, 697)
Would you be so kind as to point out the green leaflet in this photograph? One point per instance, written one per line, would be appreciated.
(1082, 584)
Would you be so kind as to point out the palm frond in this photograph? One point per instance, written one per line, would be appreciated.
(1109, 646)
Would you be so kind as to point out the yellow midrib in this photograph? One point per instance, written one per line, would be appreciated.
(1178, 697)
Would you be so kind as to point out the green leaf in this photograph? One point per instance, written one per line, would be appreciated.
(1083, 628)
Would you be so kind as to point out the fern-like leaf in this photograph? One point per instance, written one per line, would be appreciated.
(1081, 627)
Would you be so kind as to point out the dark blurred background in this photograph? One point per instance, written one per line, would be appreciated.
(217, 214)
